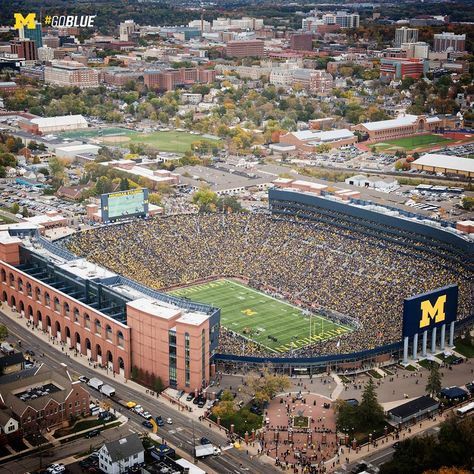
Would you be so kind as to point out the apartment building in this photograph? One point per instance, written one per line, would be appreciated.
(71, 73)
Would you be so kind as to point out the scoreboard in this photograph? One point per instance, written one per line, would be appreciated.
(124, 204)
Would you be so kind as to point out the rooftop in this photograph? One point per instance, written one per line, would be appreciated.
(156, 308)
(446, 161)
(401, 121)
(414, 406)
(60, 120)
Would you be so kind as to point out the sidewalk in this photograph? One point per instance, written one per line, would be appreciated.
(349, 456)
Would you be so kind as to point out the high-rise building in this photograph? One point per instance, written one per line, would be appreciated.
(24, 48)
(343, 19)
(35, 34)
(419, 50)
(51, 41)
(301, 42)
(242, 49)
(448, 41)
(71, 73)
(405, 35)
(126, 29)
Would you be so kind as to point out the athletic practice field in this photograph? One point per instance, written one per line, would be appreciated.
(258, 316)
(172, 141)
(412, 144)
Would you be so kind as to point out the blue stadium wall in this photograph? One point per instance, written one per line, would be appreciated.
(445, 238)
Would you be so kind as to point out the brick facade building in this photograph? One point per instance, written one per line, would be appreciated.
(403, 126)
(170, 79)
(96, 312)
(244, 48)
(44, 400)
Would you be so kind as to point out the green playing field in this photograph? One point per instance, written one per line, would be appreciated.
(412, 143)
(258, 316)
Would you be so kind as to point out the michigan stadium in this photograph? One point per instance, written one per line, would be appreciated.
(313, 277)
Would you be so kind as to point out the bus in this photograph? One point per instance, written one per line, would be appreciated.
(465, 410)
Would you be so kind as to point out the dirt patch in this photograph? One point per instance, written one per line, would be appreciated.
(114, 139)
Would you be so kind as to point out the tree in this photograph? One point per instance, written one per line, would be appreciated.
(227, 396)
(56, 167)
(3, 332)
(24, 212)
(205, 199)
(15, 209)
(134, 372)
(158, 385)
(467, 203)
(224, 409)
(265, 387)
(433, 385)
(370, 412)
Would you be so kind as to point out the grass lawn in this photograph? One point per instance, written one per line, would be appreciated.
(412, 143)
(243, 420)
(410, 368)
(275, 324)
(344, 379)
(301, 422)
(6, 220)
(374, 374)
(177, 142)
(388, 372)
(425, 363)
(463, 348)
(79, 426)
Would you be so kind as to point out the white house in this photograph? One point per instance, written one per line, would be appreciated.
(8, 424)
(116, 457)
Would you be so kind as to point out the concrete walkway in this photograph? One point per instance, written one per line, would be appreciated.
(339, 386)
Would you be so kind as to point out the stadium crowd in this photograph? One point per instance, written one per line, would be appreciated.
(319, 266)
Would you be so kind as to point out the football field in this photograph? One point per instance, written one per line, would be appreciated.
(273, 323)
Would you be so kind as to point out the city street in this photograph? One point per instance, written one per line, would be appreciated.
(179, 435)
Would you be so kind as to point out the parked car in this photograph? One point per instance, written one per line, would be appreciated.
(93, 433)
(190, 397)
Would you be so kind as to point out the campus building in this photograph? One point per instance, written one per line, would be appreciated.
(70, 74)
(34, 34)
(62, 123)
(446, 164)
(396, 69)
(24, 49)
(403, 126)
(170, 79)
(405, 35)
(301, 42)
(117, 322)
(244, 48)
(309, 140)
(448, 41)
